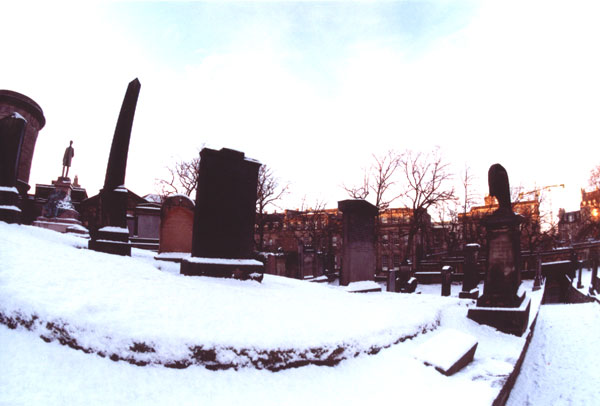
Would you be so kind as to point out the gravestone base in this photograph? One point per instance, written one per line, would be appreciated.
(9, 212)
(59, 224)
(510, 320)
(111, 240)
(242, 269)
(472, 294)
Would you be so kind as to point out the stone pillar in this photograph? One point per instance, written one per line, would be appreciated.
(503, 304)
(113, 236)
(470, 273)
(447, 272)
(223, 237)
(358, 241)
(12, 129)
(537, 282)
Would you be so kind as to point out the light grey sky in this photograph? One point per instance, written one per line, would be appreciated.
(312, 89)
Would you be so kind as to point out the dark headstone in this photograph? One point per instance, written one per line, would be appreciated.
(503, 272)
(358, 218)
(113, 235)
(447, 272)
(12, 130)
(223, 237)
(470, 273)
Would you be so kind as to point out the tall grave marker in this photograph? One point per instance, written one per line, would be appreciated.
(223, 235)
(504, 304)
(113, 236)
(358, 241)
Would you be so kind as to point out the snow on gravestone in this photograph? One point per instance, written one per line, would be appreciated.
(448, 351)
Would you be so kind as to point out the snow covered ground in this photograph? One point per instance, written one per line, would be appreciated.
(562, 365)
(111, 305)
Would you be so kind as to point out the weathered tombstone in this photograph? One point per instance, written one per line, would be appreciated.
(358, 219)
(176, 227)
(447, 272)
(12, 130)
(391, 280)
(113, 235)
(448, 351)
(504, 304)
(306, 261)
(223, 236)
(470, 273)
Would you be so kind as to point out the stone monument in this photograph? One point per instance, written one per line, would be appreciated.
(12, 103)
(113, 235)
(223, 236)
(504, 304)
(358, 241)
(12, 130)
(176, 228)
(470, 273)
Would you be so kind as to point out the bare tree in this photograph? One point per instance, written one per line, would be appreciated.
(268, 192)
(427, 177)
(469, 199)
(594, 180)
(182, 179)
(378, 181)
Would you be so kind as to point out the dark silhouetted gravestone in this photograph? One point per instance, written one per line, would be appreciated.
(447, 272)
(470, 273)
(223, 236)
(113, 236)
(12, 130)
(503, 304)
(358, 261)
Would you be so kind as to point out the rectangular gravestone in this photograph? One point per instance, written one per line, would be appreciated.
(448, 351)
(223, 234)
(358, 218)
(176, 228)
(470, 273)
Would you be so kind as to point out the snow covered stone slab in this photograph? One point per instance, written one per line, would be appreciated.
(448, 351)
(363, 287)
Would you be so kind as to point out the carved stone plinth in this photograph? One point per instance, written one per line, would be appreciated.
(111, 240)
(223, 268)
(508, 320)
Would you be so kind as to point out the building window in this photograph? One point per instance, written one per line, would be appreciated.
(385, 262)
(397, 261)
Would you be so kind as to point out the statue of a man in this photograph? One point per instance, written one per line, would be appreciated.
(69, 154)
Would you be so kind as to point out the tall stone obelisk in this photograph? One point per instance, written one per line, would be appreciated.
(113, 236)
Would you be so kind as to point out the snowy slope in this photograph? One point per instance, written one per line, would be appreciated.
(562, 365)
(112, 304)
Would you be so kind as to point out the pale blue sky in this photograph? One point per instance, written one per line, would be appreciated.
(314, 88)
